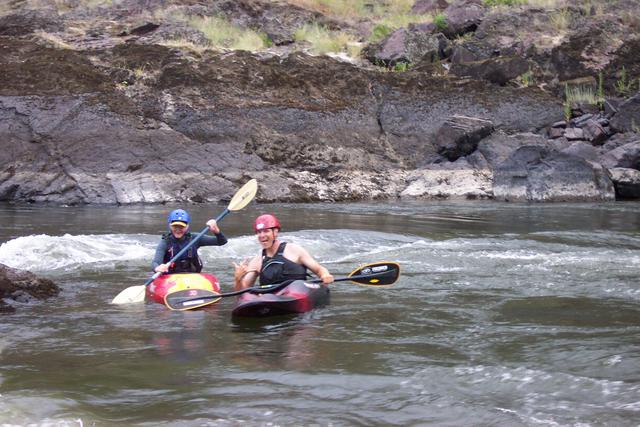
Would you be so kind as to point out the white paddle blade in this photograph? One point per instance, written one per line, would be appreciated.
(244, 195)
(130, 295)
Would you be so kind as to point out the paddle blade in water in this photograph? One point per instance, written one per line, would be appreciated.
(130, 295)
(188, 299)
(376, 274)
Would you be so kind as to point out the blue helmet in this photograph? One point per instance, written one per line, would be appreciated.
(179, 217)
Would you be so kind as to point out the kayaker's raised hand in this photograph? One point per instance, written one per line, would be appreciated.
(245, 274)
(213, 226)
(241, 270)
(162, 268)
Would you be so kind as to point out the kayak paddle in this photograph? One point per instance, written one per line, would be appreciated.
(376, 274)
(240, 200)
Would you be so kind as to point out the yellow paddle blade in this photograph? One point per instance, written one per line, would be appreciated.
(244, 196)
(130, 295)
(376, 274)
(189, 299)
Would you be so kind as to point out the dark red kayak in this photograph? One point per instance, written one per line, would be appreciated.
(298, 297)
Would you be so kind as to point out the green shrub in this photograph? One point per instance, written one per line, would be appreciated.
(401, 67)
(380, 32)
(623, 85)
(440, 21)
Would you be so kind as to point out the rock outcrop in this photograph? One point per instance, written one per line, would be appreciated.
(21, 287)
(122, 113)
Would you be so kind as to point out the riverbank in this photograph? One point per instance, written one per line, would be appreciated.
(124, 102)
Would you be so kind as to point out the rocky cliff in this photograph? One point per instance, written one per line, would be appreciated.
(122, 102)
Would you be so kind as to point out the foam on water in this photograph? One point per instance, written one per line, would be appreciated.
(24, 410)
(48, 253)
(519, 258)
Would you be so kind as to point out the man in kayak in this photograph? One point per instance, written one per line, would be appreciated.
(178, 238)
(278, 261)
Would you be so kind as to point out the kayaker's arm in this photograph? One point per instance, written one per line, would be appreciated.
(217, 240)
(159, 255)
(304, 258)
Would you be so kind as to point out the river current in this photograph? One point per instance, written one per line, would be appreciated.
(504, 315)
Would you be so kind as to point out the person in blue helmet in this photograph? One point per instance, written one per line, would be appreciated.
(177, 238)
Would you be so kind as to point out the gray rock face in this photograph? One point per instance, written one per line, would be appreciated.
(111, 115)
(538, 174)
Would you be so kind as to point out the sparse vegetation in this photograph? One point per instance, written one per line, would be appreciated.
(357, 9)
(600, 93)
(401, 67)
(623, 85)
(223, 34)
(380, 32)
(323, 40)
(526, 79)
(440, 21)
(182, 43)
(581, 95)
(561, 19)
(387, 15)
(566, 109)
(53, 40)
(140, 72)
(491, 3)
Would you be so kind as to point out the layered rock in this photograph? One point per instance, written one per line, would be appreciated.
(113, 116)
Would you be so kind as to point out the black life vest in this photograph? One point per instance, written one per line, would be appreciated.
(189, 262)
(277, 269)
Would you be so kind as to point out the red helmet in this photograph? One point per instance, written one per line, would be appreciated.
(266, 221)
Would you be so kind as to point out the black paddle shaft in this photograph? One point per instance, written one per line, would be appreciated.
(276, 287)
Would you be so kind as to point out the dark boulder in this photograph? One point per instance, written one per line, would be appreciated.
(627, 119)
(624, 156)
(23, 287)
(459, 136)
(626, 182)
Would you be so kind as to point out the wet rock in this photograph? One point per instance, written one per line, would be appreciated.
(23, 287)
(538, 174)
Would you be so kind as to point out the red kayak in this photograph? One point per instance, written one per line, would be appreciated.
(298, 297)
(167, 283)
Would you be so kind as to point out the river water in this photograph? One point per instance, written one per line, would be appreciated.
(504, 315)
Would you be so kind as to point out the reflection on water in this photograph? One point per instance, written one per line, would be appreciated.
(505, 314)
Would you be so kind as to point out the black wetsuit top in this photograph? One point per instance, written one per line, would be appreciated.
(189, 262)
(278, 269)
